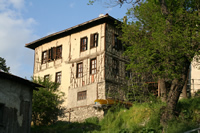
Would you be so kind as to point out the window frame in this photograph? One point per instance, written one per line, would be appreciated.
(82, 95)
(79, 74)
(94, 40)
(59, 52)
(117, 43)
(58, 77)
(46, 77)
(83, 47)
(53, 53)
(93, 66)
(44, 57)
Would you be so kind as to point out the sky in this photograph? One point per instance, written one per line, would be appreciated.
(23, 21)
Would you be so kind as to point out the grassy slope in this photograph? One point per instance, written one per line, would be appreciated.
(141, 118)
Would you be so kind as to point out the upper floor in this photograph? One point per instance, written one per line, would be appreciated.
(86, 40)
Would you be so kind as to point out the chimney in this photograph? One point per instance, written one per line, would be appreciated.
(101, 15)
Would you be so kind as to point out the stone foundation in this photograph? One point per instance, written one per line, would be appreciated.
(79, 114)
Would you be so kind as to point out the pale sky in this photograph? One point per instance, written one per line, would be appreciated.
(23, 21)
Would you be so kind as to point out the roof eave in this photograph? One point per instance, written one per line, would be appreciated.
(48, 38)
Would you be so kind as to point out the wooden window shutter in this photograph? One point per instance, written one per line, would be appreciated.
(91, 40)
(47, 57)
(51, 55)
(54, 52)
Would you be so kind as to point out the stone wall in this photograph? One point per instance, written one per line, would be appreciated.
(81, 113)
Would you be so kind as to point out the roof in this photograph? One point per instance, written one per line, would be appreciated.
(101, 19)
(20, 80)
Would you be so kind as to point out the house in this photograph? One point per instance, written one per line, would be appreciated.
(194, 79)
(15, 103)
(87, 61)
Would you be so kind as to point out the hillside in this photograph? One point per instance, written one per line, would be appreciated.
(140, 118)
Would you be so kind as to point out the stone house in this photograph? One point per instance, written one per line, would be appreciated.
(15, 103)
(87, 61)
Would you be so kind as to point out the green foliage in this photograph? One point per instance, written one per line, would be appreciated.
(140, 118)
(189, 109)
(3, 66)
(158, 43)
(46, 103)
(93, 120)
(66, 127)
(179, 126)
(162, 39)
(91, 2)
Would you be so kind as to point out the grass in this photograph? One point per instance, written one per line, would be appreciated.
(140, 118)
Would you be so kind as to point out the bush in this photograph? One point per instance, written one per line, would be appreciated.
(93, 120)
(140, 118)
(46, 103)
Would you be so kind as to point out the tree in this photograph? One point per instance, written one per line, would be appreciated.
(163, 38)
(3, 66)
(46, 103)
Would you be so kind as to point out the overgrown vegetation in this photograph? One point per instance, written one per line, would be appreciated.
(140, 118)
(162, 38)
(46, 103)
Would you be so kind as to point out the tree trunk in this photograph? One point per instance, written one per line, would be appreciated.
(173, 96)
(172, 100)
(184, 91)
(163, 90)
(163, 5)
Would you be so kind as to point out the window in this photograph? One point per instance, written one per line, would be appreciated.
(79, 72)
(115, 67)
(51, 54)
(58, 77)
(93, 40)
(1, 113)
(81, 95)
(46, 77)
(83, 44)
(93, 66)
(116, 42)
(58, 52)
(44, 57)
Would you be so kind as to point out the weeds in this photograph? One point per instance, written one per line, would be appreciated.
(140, 118)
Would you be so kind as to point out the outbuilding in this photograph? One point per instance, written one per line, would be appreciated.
(15, 103)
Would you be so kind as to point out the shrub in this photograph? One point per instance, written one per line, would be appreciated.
(46, 103)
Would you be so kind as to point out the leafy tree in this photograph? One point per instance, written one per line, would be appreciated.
(163, 38)
(3, 66)
(46, 103)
